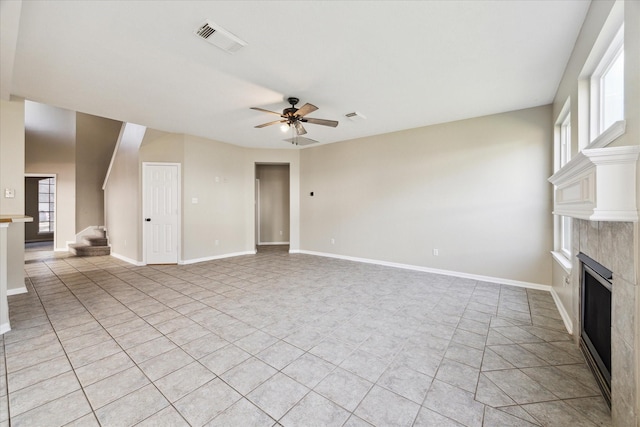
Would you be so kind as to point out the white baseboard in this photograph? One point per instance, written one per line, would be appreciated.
(17, 291)
(563, 311)
(126, 259)
(272, 243)
(521, 284)
(214, 257)
(4, 327)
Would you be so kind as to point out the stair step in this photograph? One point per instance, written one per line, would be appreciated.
(97, 241)
(86, 250)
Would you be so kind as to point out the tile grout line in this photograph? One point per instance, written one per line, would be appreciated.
(117, 343)
(37, 294)
(122, 349)
(192, 282)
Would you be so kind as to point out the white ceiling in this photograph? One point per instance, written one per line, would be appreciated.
(401, 64)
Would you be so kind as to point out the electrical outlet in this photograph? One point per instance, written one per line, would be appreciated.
(281, 232)
(216, 242)
(9, 193)
(436, 252)
(333, 241)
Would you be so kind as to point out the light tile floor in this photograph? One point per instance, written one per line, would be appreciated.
(291, 340)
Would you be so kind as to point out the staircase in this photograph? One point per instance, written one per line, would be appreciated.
(97, 245)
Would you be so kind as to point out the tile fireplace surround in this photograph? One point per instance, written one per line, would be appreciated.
(611, 244)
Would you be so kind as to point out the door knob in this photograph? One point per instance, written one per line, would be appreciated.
(148, 219)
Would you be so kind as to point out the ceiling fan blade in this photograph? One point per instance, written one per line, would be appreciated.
(322, 122)
(270, 123)
(266, 111)
(300, 130)
(306, 109)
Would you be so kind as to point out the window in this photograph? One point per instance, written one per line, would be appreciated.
(607, 87)
(562, 154)
(565, 140)
(565, 156)
(46, 198)
(612, 93)
(565, 236)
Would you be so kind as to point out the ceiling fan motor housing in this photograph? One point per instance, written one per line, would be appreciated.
(289, 112)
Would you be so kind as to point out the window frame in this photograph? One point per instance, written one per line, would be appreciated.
(562, 155)
(50, 202)
(597, 108)
(564, 246)
(565, 140)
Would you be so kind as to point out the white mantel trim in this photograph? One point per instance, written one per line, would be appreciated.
(599, 184)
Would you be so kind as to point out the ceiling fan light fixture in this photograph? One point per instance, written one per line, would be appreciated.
(293, 118)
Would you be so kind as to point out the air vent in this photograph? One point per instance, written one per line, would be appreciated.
(218, 36)
(355, 116)
(301, 141)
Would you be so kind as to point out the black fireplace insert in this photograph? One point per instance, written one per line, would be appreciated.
(595, 308)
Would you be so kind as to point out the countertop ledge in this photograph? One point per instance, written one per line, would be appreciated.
(15, 218)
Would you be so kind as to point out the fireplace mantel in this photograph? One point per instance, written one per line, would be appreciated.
(599, 184)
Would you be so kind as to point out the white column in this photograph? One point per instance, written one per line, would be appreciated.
(4, 305)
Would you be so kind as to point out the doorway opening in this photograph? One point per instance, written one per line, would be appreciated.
(272, 201)
(40, 204)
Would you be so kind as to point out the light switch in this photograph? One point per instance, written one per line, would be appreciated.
(194, 200)
(9, 193)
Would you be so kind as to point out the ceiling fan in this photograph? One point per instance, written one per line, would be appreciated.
(293, 117)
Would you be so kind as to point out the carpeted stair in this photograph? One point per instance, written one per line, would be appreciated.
(91, 246)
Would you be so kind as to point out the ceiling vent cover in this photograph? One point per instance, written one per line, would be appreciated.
(355, 116)
(301, 141)
(218, 36)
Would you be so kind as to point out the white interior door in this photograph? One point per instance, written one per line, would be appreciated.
(161, 213)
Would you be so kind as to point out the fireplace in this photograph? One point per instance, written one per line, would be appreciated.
(595, 313)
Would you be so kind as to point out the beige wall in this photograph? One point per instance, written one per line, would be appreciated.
(222, 179)
(50, 148)
(274, 203)
(95, 140)
(12, 176)
(123, 217)
(168, 147)
(212, 174)
(475, 190)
